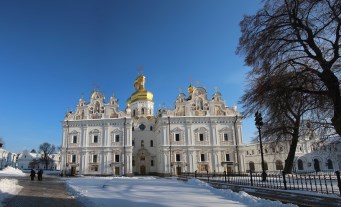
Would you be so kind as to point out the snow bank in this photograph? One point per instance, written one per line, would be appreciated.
(8, 187)
(157, 192)
(242, 196)
(10, 171)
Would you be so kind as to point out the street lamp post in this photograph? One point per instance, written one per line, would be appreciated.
(259, 124)
(170, 147)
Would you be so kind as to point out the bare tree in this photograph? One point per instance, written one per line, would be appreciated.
(46, 149)
(300, 37)
(283, 109)
(34, 164)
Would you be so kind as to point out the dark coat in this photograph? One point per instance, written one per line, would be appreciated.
(33, 173)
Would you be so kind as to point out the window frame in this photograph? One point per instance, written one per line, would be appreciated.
(201, 137)
(203, 157)
(117, 158)
(94, 158)
(117, 138)
(177, 137)
(74, 139)
(95, 139)
(178, 157)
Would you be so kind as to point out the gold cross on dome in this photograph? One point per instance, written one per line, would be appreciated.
(140, 70)
(96, 86)
(215, 89)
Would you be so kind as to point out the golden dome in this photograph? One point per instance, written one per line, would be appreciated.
(140, 94)
(190, 88)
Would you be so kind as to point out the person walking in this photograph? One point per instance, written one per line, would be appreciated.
(33, 174)
(40, 175)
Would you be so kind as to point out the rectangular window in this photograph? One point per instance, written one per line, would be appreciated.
(152, 163)
(202, 157)
(226, 137)
(133, 143)
(178, 157)
(117, 158)
(94, 167)
(177, 137)
(201, 137)
(117, 138)
(74, 139)
(227, 156)
(151, 143)
(73, 158)
(94, 158)
(95, 138)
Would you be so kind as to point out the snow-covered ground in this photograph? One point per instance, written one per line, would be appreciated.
(157, 192)
(9, 186)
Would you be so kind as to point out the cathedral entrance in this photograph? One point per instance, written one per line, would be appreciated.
(117, 170)
(142, 170)
(178, 170)
(73, 170)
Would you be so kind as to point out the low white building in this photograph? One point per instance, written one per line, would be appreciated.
(6, 158)
(309, 157)
(30, 160)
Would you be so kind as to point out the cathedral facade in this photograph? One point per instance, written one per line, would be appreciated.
(201, 133)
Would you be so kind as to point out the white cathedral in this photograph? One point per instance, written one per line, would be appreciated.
(201, 134)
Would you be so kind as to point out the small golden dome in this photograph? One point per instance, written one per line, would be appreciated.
(190, 88)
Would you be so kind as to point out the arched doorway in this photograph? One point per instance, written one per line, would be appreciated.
(317, 165)
(330, 164)
(300, 164)
(142, 170)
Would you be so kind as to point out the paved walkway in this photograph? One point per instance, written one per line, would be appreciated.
(50, 192)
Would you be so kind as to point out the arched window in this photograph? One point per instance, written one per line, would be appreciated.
(279, 165)
(151, 143)
(142, 143)
(142, 111)
(300, 164)
(330, 164)
(134, 112)
(317, 165)
(252, 166)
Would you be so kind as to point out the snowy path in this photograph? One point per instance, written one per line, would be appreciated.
(157, 192)
(47, 193)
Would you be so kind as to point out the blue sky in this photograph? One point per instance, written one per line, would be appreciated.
(53, 51)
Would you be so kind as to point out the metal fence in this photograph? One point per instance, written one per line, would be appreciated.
(322, 183)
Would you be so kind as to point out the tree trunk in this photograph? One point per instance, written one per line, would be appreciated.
(333, 86)
(289, 162)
